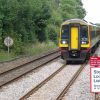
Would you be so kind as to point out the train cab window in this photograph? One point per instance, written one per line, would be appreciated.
(65, 32)
(84, 34)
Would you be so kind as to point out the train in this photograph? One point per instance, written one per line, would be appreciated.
(78, 39)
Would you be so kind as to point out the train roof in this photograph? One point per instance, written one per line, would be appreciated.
(81, 21)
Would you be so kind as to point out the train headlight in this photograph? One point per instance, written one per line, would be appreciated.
(64, 42)
(84, 42)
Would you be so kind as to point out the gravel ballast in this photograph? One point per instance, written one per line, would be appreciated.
(52, 88)
(17, 89)
(80, 90)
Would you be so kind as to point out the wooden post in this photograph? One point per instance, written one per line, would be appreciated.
(96, 96)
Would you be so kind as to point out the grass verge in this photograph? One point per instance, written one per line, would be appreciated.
(29, 50)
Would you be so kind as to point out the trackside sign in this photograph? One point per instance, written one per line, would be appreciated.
(95, 61)
(95, 74)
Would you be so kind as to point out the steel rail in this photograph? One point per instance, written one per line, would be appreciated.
(65, 90)
(42, 83)
(14, 74)
(31, 61)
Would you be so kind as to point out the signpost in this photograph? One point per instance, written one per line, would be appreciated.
(8, 41)
(95, 76)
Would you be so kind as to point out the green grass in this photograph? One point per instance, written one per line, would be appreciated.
(39, 48)
(4, 56)
(29, 50)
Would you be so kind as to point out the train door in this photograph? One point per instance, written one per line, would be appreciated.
(74, 45)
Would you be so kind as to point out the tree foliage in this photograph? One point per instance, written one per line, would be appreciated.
(29, 21)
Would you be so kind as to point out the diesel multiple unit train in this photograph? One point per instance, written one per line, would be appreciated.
(78, 39)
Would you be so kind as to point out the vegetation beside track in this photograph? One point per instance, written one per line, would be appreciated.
(28, 50)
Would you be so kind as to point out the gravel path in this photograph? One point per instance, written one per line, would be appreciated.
(20, 87)
(52, 88)
(98, 51)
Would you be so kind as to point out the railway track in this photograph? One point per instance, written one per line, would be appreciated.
(5, 66)
(65, 90)
(50, 77)
(72, 81)
(9, 75)
(42, 83)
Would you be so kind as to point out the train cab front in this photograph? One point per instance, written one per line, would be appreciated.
(74, 42)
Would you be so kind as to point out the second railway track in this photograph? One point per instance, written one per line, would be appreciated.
(14, 73)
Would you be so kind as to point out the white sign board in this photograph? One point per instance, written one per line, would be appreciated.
(8, 41)
(95, 79)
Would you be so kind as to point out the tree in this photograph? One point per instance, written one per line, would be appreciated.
(29, 21)
(80, 10)
(72, 9)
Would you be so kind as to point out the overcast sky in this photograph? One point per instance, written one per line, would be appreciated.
(93, 10)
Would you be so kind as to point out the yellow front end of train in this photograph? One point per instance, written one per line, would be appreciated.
(76, 40)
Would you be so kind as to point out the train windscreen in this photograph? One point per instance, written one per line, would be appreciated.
(84, 34)
(65, 32)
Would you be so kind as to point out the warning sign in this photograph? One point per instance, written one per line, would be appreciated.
(95, 74)
(95, 61)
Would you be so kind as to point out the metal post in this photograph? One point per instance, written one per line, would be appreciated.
(8, 52)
